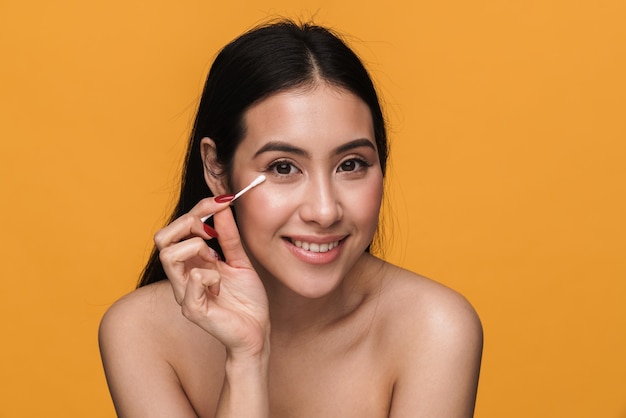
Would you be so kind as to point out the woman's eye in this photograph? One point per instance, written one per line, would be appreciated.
(352, 165)
(283, 168)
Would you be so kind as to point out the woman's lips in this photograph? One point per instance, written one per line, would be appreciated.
(315, 247)
(320, 252)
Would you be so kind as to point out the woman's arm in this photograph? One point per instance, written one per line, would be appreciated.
(245, 389)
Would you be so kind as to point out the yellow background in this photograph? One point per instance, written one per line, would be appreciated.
(507, 182)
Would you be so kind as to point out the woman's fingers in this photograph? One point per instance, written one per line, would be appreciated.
(180, 259)
(201, 286)
(190, 264)
(226, 299)
(189, 224)
(230, 241)
(182, 228)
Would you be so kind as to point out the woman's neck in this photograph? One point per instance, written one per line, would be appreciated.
(294, 314)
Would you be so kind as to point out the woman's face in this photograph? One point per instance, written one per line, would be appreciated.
(314, 216)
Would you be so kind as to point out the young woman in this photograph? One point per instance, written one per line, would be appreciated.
(288, 315)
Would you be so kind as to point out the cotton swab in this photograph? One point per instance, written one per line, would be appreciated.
(254, 183)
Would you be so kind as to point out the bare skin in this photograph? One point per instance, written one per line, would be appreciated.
(386, 358)
(279, 331)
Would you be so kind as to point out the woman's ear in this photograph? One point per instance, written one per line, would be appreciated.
(213, 173)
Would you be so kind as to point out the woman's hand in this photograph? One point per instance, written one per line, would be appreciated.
(225, 298)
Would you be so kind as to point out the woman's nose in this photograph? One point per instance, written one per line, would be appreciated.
(321, 204)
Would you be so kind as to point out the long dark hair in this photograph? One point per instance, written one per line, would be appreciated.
(263, 61)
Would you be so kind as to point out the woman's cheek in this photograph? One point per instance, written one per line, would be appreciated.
(263, 209)
(367, 197)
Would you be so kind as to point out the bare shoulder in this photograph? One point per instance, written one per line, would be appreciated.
(133, 303)
(138, 315)
(435, 339)
(151, 352)
(149, 323)
(417, 304)
(140, 302)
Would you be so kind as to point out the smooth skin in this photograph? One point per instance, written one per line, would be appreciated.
(278, 330)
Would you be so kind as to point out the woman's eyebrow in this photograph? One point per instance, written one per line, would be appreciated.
(357, 143)
(280, 146)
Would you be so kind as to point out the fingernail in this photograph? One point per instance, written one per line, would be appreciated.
(224, 198)
(210, 231)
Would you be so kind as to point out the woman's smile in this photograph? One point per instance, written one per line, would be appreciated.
(313, 253)
(314, 247)
(315, 250)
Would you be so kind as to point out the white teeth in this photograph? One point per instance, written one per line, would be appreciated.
(316, 248)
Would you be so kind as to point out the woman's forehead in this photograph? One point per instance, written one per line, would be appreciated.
(323, 115)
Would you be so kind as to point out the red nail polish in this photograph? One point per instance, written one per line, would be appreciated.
(210, 231)
(224, 198)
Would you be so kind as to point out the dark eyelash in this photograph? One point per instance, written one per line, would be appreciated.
(276, 163)
(363, 161)
(359, 161)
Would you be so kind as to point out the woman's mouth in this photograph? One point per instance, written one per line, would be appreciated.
(315, 247)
